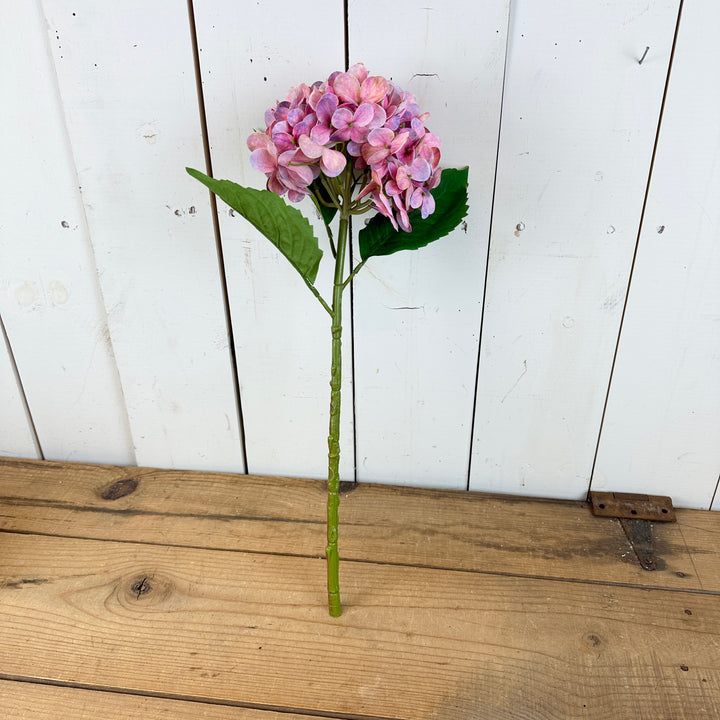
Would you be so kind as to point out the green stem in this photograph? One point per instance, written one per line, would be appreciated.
(314, 291)
(354, 273)
(333, 499)
(318, 203)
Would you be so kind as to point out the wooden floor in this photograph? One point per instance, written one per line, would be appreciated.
(134, 593)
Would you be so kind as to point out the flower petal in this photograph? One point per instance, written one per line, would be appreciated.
(347, 87)
(310, 149)
(263, 160)
(374, 89)
(359, 71)
(332, 162)
(326, 106)
(364, 114)
(341, 118)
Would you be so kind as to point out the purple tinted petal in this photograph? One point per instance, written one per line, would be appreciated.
(420, 170)
(416, 199)
(364, 114)
(354, 149)
(428, 205)
(341, 118)
(326, 107)
(295, 116)
(320, 134)
(283, 141)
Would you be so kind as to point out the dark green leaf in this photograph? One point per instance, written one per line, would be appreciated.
(286, 228)
(379, 237)
(320, 191)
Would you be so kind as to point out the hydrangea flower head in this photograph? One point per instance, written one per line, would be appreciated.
(354, 119)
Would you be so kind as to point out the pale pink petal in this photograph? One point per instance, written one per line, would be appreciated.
(310, 149)
(359, 71)
(398, 142)
(374, 89)
(374, 155)
(347, 87)
(381, 137)
(296, 195)
(332, 162)
(258, 141)
(379, 116)
(263, 161)
(274, 185)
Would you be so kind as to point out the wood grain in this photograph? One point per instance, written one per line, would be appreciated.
(445, 529)
(412, 642)
(30, 701)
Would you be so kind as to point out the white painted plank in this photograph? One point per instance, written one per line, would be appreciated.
(661, 433)
(249, 61)
(49, 294)
(417, 314)
(126, 78)
(579, 122)
(16, 434)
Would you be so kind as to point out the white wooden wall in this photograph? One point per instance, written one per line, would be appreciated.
(567, 335)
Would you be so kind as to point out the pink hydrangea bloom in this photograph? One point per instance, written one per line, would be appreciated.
(355, 118)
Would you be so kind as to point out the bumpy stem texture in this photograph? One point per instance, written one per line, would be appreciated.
(333, 499)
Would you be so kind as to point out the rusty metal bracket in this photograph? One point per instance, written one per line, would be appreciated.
(635, 513)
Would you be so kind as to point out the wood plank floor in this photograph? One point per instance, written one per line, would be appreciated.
(139, 593)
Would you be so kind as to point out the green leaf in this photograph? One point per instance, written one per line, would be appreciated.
(285, 227)
(319, 190)
(379, 237)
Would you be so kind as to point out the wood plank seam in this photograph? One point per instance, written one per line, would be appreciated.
(311, 713)
(379, 563)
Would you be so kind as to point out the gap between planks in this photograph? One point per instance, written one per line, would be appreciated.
(380, 524)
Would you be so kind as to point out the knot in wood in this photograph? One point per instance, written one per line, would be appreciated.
(141, 587)
(119, 489)
(147, 588)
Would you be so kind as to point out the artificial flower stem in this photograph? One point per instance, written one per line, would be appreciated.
(333, 498)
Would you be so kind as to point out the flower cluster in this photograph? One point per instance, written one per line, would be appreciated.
(358, 119)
